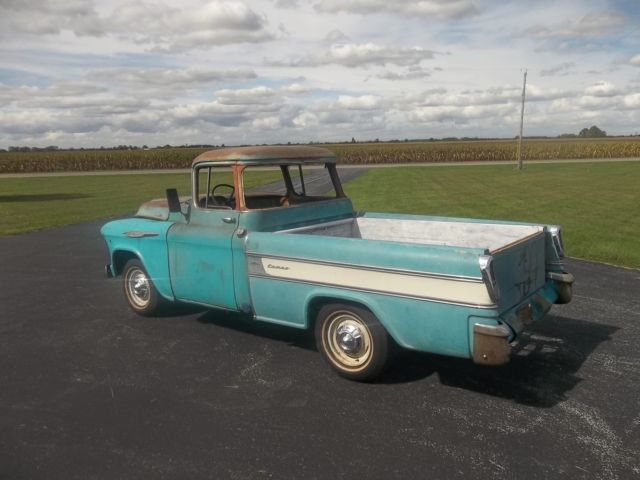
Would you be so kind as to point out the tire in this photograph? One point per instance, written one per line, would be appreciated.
(352, 341)
(139, 290)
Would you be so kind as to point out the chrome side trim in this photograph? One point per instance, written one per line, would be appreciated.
(379, 292)
(326, 224)
(489, 277)
(140, 234)
(415, 273)
(556, 236)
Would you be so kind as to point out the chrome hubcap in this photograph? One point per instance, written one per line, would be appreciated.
(347, 341)
(349, 338)
(138, 287)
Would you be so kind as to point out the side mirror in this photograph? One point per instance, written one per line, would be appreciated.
(173, 200)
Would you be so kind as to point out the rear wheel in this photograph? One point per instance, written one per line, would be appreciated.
(352, 341)
(141, 294)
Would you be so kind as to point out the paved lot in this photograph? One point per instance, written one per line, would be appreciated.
(89, 390)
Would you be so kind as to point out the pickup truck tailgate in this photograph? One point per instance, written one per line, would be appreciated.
(519, 269)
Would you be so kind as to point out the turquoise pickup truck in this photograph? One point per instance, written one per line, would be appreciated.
(269, 231)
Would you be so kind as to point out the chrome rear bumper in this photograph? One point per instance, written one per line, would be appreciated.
(490, 344)
(564, 285)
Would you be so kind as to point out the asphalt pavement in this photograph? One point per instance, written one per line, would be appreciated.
(89, 390)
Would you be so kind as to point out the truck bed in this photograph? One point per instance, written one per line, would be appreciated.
(490, 236)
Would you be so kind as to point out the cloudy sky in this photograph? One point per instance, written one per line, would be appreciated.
(88, 73)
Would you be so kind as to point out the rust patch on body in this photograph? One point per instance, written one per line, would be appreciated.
(267, 154)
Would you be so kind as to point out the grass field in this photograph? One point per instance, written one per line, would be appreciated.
(358, 154)
(34, 203)
(596, 203)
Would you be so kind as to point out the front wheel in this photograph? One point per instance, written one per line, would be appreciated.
(352, 341)
(141, 294)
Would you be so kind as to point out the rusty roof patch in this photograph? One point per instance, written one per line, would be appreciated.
(267, 154)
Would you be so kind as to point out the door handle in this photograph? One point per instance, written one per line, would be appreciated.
(228, 219)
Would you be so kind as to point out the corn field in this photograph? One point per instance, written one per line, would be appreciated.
(358, 154)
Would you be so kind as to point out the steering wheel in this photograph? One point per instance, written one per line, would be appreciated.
(226, 201)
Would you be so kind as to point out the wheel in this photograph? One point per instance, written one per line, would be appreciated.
(141, 294)
(352, 341)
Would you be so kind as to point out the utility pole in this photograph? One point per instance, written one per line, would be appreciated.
(524, 90)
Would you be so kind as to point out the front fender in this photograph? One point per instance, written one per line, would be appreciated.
(147, 240)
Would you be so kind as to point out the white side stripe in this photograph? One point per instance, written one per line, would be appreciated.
(447, 290)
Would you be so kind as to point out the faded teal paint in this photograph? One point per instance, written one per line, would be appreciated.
(415, 324)
(437, 259)
(152, 251)
(520, 270)
(298, 216)
(201, 259)
(240, 274)
(197, 256)
(279, 301)
(412, 323)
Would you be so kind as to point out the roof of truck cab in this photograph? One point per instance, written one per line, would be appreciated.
(269, 154)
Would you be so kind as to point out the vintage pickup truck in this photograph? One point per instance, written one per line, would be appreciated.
(268, 231)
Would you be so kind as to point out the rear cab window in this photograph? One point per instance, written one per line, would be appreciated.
(289, 185)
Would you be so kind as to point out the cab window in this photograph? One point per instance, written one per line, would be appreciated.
(287, 185)
(214, 188)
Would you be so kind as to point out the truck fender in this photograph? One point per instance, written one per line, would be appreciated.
(160, 277)
(317, 298)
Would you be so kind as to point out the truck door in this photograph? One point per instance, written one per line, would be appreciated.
(201, 261)
(200, 251)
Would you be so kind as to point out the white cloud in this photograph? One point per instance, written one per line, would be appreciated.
(560, 69)
(336, 36)
(590, 25)
(89, 73)
(175, 28)
(441, 9)
(602, 89)
(306, 119)
(363, 102)
(171, 78)
(247, 96)
(414, 72)
(157, 25)
(267, 123)
(358, 55)
(631, 101)
(286, 3)
(295, 89)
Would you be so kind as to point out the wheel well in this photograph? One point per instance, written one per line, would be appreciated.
(317, 303)
(120, 259)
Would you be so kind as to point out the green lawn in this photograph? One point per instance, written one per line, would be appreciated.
(41, 202)
(598, 204)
